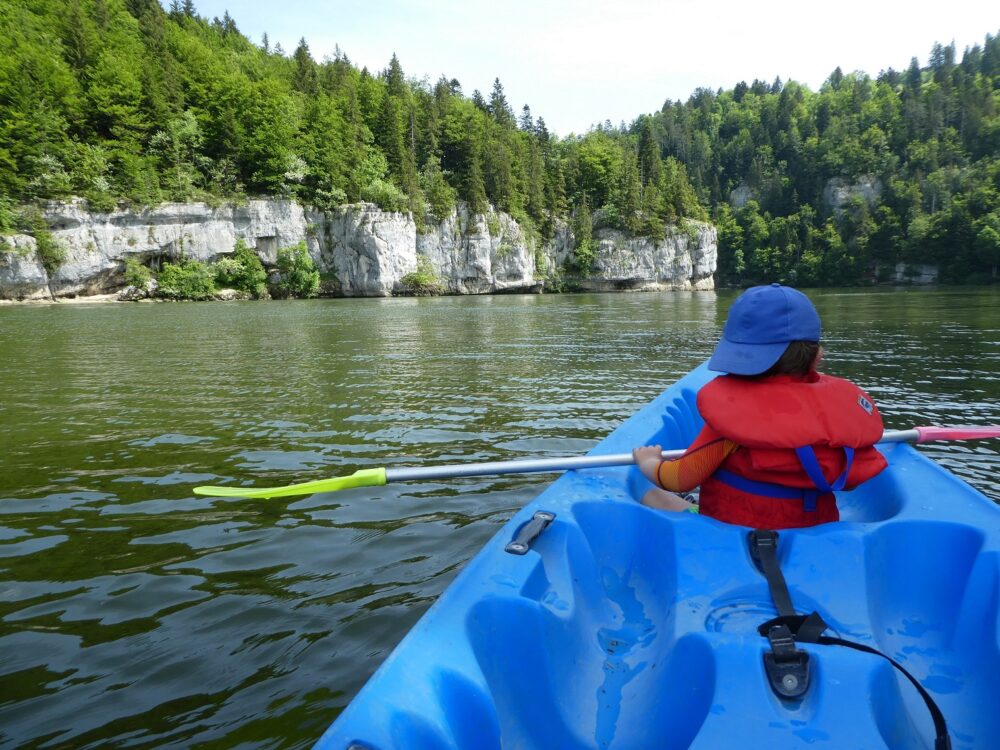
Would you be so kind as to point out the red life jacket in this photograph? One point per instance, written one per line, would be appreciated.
(800, 437)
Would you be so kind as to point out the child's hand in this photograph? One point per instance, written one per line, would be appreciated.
(647, 454)
(648, 460)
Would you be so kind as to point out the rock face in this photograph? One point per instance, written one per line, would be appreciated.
(359, 249)
(480, 254)
(97, 244)
(740, 196)
(684, 259)
(22, 275)
(366, 250)
(914, 273)
(838, 191)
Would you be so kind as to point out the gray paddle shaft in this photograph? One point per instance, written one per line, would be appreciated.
(518, 466)
(538, 465)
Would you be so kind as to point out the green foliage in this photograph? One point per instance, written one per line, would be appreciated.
(542, 269)
(136, 274)
(691, 232)
(585, 249)
(188, 279)
(50, 252)
(441, 196)
(178, 146)
(423, 281)
(7, 216)
(242, 271)
(297, 275)
(375, 188)
(385, 195)
(124, 101)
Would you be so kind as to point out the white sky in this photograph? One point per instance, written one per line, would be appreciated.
(580, 63)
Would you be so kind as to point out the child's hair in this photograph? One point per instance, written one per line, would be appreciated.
(799, 359)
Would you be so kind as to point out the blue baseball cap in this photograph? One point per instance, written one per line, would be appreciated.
(762, 322)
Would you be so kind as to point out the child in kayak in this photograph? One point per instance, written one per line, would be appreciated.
(779, 437)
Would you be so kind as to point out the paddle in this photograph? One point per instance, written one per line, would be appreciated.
(381, 476)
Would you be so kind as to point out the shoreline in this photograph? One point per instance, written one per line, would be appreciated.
(89, 299)
(114, 298)
(101, 299)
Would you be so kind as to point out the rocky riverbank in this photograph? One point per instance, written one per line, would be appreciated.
(360, 250)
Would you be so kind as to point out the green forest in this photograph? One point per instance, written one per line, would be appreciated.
(130, 103)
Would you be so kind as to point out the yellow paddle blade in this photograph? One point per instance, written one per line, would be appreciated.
(361, 478)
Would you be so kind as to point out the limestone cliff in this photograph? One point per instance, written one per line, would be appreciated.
(359, 249)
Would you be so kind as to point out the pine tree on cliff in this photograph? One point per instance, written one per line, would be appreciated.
(306, 79)
(526, 122)
(394, 78)
(389, 137)
(474, 188)
(627, 196)
(650, 164)
(499, 108)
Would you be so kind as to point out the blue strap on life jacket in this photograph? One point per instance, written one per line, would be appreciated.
(807, 457)
(767, 489)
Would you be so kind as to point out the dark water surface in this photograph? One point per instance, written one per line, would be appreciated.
(135, 614)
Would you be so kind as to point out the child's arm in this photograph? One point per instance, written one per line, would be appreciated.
(699, 462)
(648, 460)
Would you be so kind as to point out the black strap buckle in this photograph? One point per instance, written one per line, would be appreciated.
(787, 667)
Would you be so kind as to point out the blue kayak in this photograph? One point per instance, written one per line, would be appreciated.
(625, 627)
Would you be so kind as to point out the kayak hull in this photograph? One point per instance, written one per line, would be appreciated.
(627, 627)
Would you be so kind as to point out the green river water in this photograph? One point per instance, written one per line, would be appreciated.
(134, 614)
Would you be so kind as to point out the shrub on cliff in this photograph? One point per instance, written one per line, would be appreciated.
(50, 252)
(441, 196)
(242, 271)
(423, 281)
(297, 276)
(189, 279)
(136, 274)
(385, 195)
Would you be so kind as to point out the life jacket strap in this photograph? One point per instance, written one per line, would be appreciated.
(807, 457)
(768, 489)
(810, 464)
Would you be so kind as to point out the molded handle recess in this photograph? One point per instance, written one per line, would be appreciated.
(529, 532)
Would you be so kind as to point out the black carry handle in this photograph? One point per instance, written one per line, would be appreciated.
(529, 532)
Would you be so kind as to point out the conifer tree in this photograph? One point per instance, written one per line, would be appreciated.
(306, 79)
(498, 106)
(526, 123)
(389, 137)
(627, 197)
(650, 164)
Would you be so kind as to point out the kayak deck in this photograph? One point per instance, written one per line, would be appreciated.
(626, 627)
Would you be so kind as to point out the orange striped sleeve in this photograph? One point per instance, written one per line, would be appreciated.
(695, 466)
